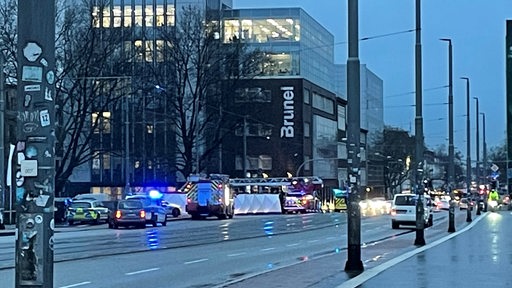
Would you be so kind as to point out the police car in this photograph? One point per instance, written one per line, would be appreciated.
(155, 212)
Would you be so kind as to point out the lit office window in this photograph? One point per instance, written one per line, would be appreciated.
(116, 12)
(127, 16)
(149, 16)
(103, 122)
(170, 13)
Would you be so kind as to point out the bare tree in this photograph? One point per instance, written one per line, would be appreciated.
(88, 90)
(396, 147)
(199, 73)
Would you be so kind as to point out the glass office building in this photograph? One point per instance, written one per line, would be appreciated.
(296, 44)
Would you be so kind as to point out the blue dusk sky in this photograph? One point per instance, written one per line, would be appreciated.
(477, 30)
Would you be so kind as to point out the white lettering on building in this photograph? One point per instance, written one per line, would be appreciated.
(287, 129)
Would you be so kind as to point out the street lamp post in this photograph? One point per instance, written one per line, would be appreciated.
(484, 170)
(451, 150)
(468, 149)
(354, 262)
(451, 165)
(477, 170)
(420, 223)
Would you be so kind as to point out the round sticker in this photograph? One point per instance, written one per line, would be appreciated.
(39, 219)
(50, 77)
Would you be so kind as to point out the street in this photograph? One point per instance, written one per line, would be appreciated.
(201, 253)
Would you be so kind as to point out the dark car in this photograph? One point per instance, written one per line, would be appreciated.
(128, 213)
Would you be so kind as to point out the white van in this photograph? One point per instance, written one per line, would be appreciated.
(403, 210)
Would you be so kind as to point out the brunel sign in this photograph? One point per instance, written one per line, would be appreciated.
(287, 130)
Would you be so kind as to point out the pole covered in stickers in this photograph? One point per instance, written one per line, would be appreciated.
(34, 152)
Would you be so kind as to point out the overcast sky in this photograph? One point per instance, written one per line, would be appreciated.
(477, 29)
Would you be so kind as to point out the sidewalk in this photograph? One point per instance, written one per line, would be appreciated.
(478, 253)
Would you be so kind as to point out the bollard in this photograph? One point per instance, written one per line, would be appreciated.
(451, 217)
(468, 215)
(478, 212)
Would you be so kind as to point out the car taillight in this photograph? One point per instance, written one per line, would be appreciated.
(142, 214)
(393, 211)
(118, 214)
(304, 200)
(189, 200)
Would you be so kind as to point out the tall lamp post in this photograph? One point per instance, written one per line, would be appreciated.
(451, 150)
(484, 170)
(468, 140)
(420, 223)
(354, 262)
(477, 168)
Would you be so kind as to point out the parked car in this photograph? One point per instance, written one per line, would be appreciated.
(155, 212)
(172, 209)
(87, 211)
(443, 204)
(127, 213)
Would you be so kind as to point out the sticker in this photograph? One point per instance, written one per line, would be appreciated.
(31, 151)
(45, 118)
(28, 168)
(19, 179)
(39, 219)
(47, 153)
(50, 77)
(52, 226)
(48, 94)
(51, 242)
(44, 62)
(29, 120)
(32, 51)
(41, 200)
(20, 146)
(27, 100)
(32, 88)
(21, 157)
(37, 139)
(32, 74)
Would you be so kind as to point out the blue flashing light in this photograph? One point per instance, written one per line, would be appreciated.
(155, 194)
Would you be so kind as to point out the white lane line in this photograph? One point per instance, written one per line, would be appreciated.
(196, 261)
(76, 284)
(267, 249)
(141, 271)
(331, 238)
(313, 241)
(293, 244)
(237, 254)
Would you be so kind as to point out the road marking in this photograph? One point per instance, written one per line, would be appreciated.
(141, 271)
(76, 285)
(237, 254)
(293, 244)
(331, 238)
(313, 241)
(267, 249)
(196, 261)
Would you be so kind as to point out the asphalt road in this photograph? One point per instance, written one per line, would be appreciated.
(196, 253)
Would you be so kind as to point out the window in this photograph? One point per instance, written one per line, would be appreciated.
(323, 103)
(254, 94)
(307, 128)
(255, 130)
(262, 30)
(307, 96)
(260, 162)
(342, 120)
(101, 123)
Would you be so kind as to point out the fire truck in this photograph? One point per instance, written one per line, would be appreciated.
(298, 194)
(209, 196)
